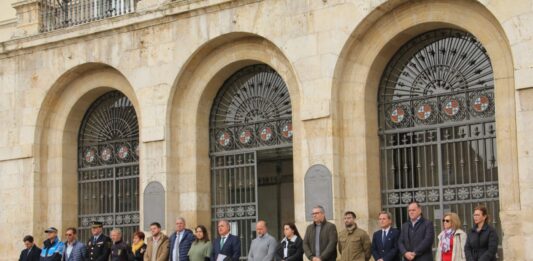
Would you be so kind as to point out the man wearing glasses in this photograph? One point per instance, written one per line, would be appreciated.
(74, 249)
(416, 238)
(320, 241)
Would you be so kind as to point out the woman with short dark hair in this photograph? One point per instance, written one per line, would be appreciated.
(482, 241)
(291, 246)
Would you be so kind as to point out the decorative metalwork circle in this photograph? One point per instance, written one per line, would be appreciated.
(123, 152)
(230, 212)
(286, 130)
(250, 210)
(90, 155)
(397, 114)
(433, 195)
(220, 212)
(224, 139)
(106, 153)
(452, 107)
(246, 136)
(394, 198)
(424, 111)
(492, 191)
(480, 103)
(420, 196)
(477, 192)
(266, 133)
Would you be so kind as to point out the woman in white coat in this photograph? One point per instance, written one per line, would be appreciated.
(452, 240)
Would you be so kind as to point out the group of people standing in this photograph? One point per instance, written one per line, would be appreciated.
(321, 242)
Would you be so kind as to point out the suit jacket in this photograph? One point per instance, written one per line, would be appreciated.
(389, 250)
(99, 250)
(184, 245)
(328, 241)
(77, 254)
(231, 248)
(418, 238)
(34, 254)
(295, 250)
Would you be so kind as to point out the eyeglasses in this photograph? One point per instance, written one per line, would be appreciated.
(446, 220)
(69, 235)
(315, 213)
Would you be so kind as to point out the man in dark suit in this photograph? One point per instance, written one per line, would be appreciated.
(99, 245)
(31, 252)
(385, 240)
(417, 235)
(226, 247)
(180, 242)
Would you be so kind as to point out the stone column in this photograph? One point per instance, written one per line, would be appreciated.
(28, 18)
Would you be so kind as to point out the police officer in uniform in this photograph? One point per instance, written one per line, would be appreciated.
(99, 245)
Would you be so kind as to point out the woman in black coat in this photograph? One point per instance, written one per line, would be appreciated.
(138, 247)
(291, 246)
(482, 241)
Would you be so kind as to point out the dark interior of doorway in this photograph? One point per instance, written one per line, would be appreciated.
(275, 188)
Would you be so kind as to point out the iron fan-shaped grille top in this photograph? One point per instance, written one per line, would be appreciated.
(254, 94)
(252, 108)
(440, 75)
(434, 63)
(109, 131)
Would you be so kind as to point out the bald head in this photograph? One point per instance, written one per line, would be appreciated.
(261, 228)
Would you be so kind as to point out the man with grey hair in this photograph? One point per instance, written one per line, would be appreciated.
(226, 247)
(180, 242)
(119, 250)
(385, 240)
(320, 241)
(264, 246)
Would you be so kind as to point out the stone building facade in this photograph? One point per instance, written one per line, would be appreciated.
(172, 62)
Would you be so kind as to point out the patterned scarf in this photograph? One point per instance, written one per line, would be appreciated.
(445, 240)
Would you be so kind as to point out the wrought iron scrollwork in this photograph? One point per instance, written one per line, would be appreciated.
(437, 127)
(108, 168)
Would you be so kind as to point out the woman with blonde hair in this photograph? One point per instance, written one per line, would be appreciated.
(452, 240)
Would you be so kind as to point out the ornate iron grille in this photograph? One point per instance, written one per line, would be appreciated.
(251, 112)
(108, 166)
(437, 130)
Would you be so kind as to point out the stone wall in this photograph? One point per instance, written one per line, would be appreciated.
(171, 58)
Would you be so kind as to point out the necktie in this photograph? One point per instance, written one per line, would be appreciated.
(222, 242)
(384, 236)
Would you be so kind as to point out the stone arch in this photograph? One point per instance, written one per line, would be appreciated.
(357, 76)
(56, 149)
(188, 180)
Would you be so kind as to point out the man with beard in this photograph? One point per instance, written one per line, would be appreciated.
(360, 251)
(157, 244)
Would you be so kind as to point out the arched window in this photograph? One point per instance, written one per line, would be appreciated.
(251, 152)
(437, 128)
(108, 166)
